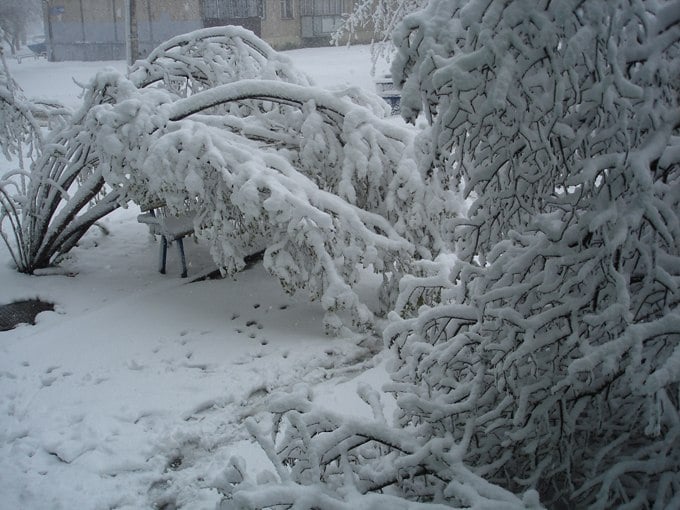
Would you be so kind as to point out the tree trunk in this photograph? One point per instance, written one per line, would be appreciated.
(131, 32)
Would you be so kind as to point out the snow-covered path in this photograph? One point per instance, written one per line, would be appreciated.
(133, 392)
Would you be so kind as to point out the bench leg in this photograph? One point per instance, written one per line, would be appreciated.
(162, 255)
(182, 258)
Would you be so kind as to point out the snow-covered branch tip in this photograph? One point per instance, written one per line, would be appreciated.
(326, 460)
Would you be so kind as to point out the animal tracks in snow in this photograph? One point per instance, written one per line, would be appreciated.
(52, 374)
(256, 325)
(156, 404)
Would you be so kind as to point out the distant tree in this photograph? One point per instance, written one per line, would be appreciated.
(382, 16)
(15, 16)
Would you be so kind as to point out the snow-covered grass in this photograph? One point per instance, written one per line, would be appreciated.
(132, 393)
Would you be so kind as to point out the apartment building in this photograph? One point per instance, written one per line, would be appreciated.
(96, 29)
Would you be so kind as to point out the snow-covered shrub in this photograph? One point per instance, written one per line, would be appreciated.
(345, 150)
(21, 139)
(267, 179)
(65, 193)
(553, 356)
(21, 134)
(316, 176)
(217, 123)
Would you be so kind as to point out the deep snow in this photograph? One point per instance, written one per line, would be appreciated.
(133, 392)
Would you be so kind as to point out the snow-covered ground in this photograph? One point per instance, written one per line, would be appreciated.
(132, 393)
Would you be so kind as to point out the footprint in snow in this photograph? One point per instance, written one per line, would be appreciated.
(133, 365)
(48, 380)
(255, 323)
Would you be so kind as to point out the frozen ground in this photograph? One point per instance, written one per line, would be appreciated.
(133, 392)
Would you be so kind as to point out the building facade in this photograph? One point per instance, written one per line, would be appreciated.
(96, 29)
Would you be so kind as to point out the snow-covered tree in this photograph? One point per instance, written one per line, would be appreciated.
(545, 355)
(15, 17)
(216, 123)
(553, 358)
(382, 16)
(243, 187)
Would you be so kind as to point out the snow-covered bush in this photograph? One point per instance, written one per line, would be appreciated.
(267, 179)
(66, 193)
(21, 134)
(553, 358)
(545, 354)
(316, 176)
(217, 123)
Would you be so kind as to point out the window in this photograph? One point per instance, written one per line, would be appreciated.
(322, 7)
(329, 24)
(232, 9)
(321, 18)
(286, 9)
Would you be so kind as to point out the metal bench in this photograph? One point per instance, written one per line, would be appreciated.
(171, 229)
(386, 89)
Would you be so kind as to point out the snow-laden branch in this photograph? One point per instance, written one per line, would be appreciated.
(381, 17)
(213, 56)
(325, 460)
(329, 204)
